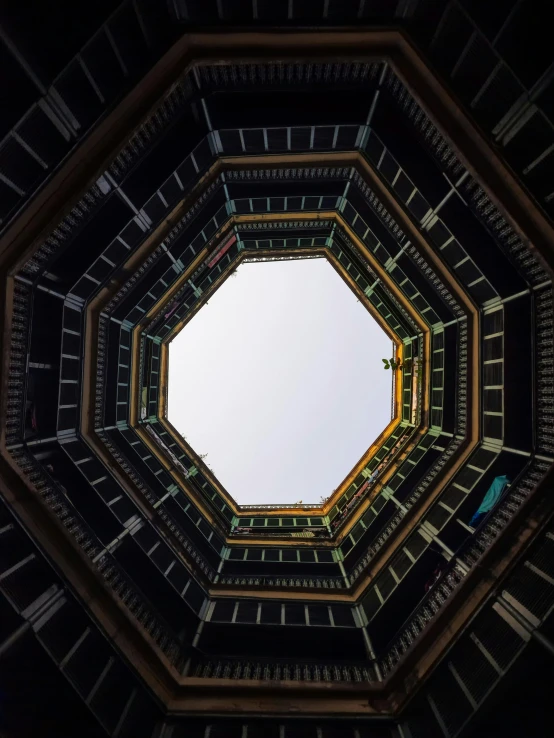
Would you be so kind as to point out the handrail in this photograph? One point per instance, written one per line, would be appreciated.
(284, 580)
(310, 670)
(465, 543)
(467, 556)
(123, 587)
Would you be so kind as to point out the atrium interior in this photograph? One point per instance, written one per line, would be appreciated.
(151, 160)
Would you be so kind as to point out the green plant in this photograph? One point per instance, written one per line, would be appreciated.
(396, 364)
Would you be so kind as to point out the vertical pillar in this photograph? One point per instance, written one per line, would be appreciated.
(511, 610)
(367, 641)
(13, 638)
(343, 572)
(198, 633)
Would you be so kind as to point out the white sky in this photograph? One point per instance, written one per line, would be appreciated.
(279, 379)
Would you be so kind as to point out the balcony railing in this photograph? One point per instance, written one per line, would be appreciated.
(470, 554)
(386, 532)
(284, 670)
(16, 400)
(544, 350)
(112, 573)
(283, 581)
(186, 543)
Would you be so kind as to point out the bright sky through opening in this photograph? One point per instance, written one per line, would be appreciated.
(279, 380)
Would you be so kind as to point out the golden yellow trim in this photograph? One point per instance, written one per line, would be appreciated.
(222, 233)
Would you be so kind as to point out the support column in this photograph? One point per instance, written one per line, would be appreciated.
(510, 609)
(367, 641)
(13, 638)
(198, 633)
(371, 653)
(343, 572)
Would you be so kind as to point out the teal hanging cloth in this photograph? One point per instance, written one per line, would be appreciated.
(490, 499)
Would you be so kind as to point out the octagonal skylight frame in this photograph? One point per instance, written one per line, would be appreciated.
(206, 472)
(388, 377)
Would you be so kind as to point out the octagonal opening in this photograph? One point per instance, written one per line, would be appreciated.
(278, 382)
